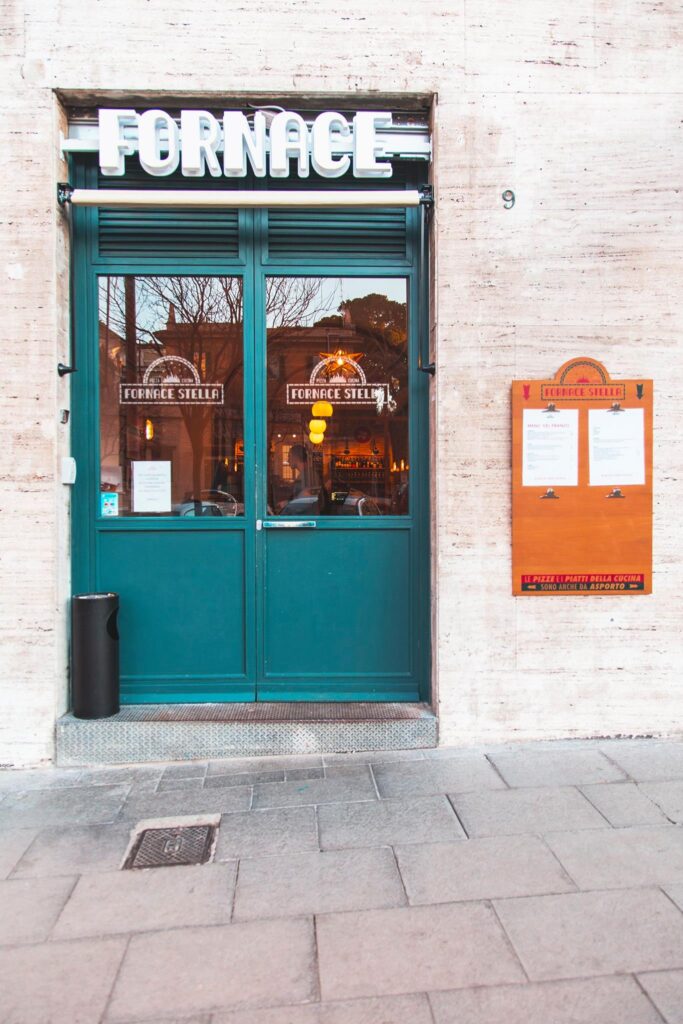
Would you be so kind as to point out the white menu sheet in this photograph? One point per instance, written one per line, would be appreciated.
(616, 447)
(151, 486)
(550, 448)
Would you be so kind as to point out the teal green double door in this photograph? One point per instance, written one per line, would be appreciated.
(250, 429)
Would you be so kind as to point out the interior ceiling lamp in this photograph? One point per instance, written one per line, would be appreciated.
(322, 409)
(316, 438)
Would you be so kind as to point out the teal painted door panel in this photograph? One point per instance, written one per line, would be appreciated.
(231, 613)
(182, 617)
(338, 615)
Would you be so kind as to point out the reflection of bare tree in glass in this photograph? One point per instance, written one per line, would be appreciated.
(112, 357)
(200, 318)
(196, 318)
(293, 302)
(383, 325)
(375, 326)
(204, 318)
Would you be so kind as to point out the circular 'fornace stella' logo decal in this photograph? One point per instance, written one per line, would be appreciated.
(171, 380)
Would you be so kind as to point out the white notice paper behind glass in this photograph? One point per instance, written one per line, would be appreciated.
(550, 448)
(151, 487)
(616, 447)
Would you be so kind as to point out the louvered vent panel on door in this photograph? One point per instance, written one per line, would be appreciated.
(327, 235)
(177, 233)
(368, 234)
(199, 233)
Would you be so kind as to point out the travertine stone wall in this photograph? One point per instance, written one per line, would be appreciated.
(578, 108)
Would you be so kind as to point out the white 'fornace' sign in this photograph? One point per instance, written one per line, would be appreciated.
(231, 145)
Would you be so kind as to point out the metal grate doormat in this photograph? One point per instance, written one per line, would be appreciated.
(165, 847)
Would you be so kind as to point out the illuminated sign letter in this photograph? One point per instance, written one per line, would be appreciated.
(239, 143)
(288, 137)
(201, 135)
(328, 128)
(151, 145)
(113, 147)
(366, 146)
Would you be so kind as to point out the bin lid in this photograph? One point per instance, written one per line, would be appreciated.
(92, 597)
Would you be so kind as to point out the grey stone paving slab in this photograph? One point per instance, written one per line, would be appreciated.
(146, 900)
(193, 970)
(560, 767)
(75, 851)
(411, 1009)
(453, 775)
(69, 982)
(352, 785)
(374, 757)
(648, 760)
(29, 908)
(193, 770)
(38, 778)
(665, 989)
(13, 844)
(76, 805)
(594, 1001)
(275, 763)
(177, 803)
(193, 784)
(317, 883)
(292, 774)
(668, 796)
(591, 933)
(445, 753)
(340, 770)
(255, 833)
(145, 784)
(243, 779)
(139, 776)
(624, 803)
(387, 822)
(516, 811)
(480, 869)
(621, 858)
(412, 949)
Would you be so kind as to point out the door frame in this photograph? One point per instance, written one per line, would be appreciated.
(253, 265)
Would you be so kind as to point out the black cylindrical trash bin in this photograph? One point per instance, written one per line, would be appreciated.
(94, 655)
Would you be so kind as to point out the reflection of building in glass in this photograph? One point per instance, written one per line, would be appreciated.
(165, 324)
(203, 441)
(365, 443)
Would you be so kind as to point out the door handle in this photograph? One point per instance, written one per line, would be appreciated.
(299, 524)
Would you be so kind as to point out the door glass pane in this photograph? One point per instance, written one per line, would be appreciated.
(171, 396)
(337, 396)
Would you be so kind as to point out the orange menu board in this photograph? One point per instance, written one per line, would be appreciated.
(581, 483)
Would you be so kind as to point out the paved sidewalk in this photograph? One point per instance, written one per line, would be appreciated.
(536, 884)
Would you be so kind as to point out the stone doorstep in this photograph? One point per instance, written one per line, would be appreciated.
(185, 732)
